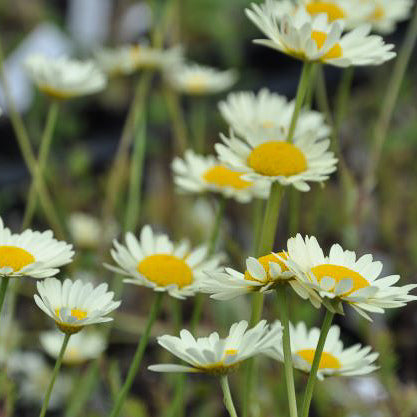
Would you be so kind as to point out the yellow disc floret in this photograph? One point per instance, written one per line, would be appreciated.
(166, 270)
(264, 261)
(277, 158)
(333, 11)
(338, 273)
(224, 177)
(71, 328)
(196, 84)
(15, 258)
(327, 360)
(320, 38)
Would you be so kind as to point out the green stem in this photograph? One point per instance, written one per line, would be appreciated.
(199, 122)
(136, 174)
(227, 396)
(54, 375)
(342, 97)
(389, 101)
(299, 99)
(28, 155)
(308, 101)
(294, 211)
(286, 341)
(316, 362)
(43, 157)
(138, 356)
(179, 127)
(3, 288)
(258, 211)
(199, 298)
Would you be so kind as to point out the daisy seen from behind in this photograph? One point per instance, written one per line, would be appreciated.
(64, 78)
(341, 276)
(312, 38)
(335, 359)
(196, 174)
(154, 261)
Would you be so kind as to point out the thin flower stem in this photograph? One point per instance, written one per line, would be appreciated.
(138, 356)
(343, 96)
(327, 322)
(227, 396)
(389, 102)
(54, 375)
(258, 211)
(136, 175)
(199, 298)
(302, 89)
(43, 157)
(3, 288)
(28, 155)
(286, 341)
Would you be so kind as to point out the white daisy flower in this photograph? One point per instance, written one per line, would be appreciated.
(33, 254)
(126, 60)
(81, 347)
(87, 231)
(386, 14)
(343, 277)
(334, 361)
(197, 80)
(314, 39)
(74, 305)
(261, 275)
(155, 262)
(261, 150)
(217, 356)
(64, 78)
(197, 174)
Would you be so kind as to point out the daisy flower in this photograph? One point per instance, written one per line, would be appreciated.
(198, 80)
(155, 262)
(216, 356)
(334, 361)
(81, 347)
(196, 174)
(64, 78)
(260, 150)
(30, 253)
(261, 275)
(74, 305)
(386, 14)
(344, 277)
(314, 39)
(126, 60)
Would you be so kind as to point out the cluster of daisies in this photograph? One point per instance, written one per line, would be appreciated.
(271, 141)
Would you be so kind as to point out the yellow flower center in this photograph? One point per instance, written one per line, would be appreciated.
(231, 352)
(224, 177)
(55, 92)
(320, 38)
(75, 312)
(277, 158)
(333, 11)
(15, 258)
(327, 360)
(378, 13)
(264, 261)
(166, 270)
(72, 355)
(196, 84)
(71, 328)
(268, 124)
(338, 273)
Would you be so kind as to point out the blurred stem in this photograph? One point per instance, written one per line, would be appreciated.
(389, 102)
(342, 97)
(28, 155)
(258, 208)
(265, 246)
(120, 160)
(294, 211)
(54, 375)
(138, 356)
(83, 391)
(308, 102)
(199, 298)
(199, 123)
(327, 322)
(3, 288)
(43, 157)
(176, 114)
(286, 342)
(227, 396)
(301, 94)
(136, 175)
